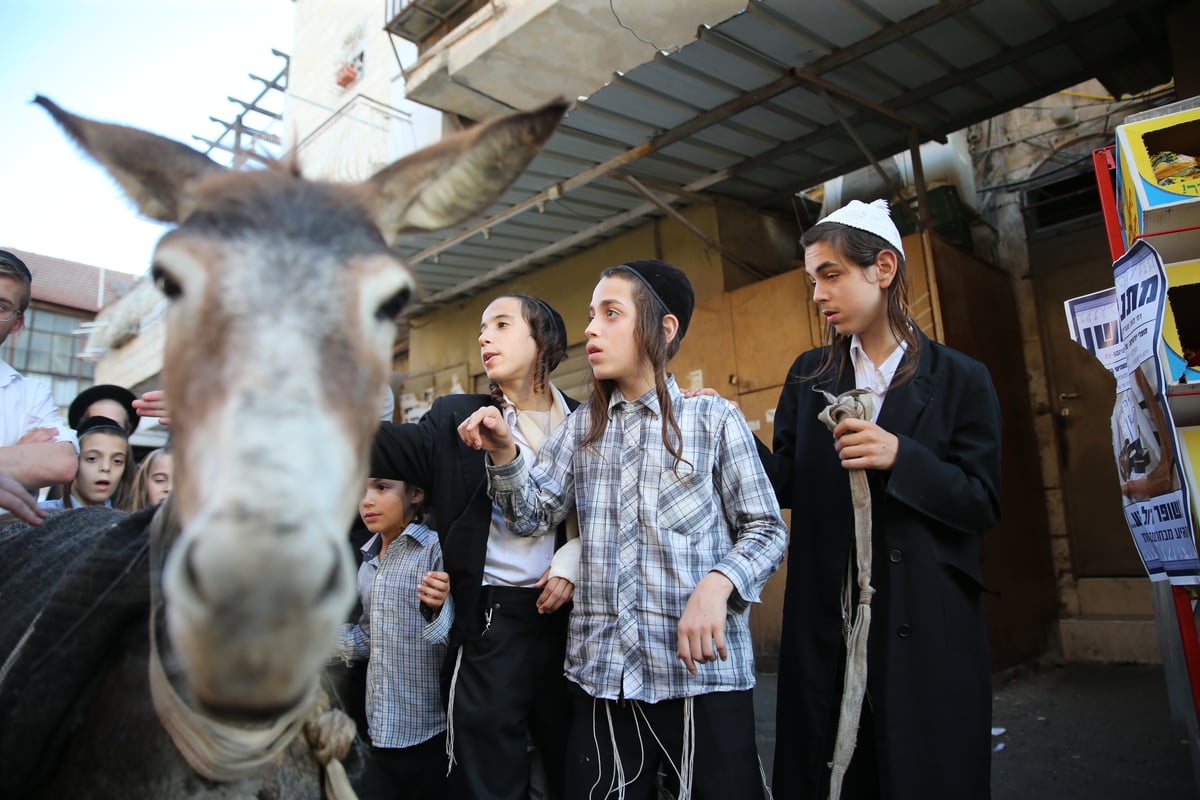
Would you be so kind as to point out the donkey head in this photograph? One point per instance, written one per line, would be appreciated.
(283, 294)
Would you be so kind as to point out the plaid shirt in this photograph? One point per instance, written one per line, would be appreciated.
(404, 702)
(649, 535)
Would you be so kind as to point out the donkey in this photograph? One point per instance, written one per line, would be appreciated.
(283, 294)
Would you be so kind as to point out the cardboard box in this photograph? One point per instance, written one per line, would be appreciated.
(1148, 206)
(1181, 323)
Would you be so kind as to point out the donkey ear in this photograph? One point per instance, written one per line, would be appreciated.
(157, 173)
(459, 176)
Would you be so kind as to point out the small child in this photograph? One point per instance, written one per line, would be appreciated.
(102, 478)
(402, 633)
(152, 483)
(680, 529)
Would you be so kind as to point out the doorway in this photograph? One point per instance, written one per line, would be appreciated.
(1081, 397)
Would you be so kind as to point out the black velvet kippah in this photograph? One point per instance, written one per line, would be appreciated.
(104, 424)
(670, 287)
(16, 263)
(560, 327)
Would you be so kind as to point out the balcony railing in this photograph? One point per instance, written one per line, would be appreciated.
(358, 139)
(416, 20)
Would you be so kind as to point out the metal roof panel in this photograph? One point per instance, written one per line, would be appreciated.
(744, 112)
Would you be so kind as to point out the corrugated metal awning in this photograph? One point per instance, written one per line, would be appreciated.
(777, 99)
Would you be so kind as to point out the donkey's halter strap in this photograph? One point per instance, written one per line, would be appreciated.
(217, 750)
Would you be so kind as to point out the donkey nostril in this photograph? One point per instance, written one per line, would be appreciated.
(333, 580)
(189, 571)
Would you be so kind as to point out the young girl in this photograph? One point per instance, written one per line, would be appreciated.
(402, 633)
(506, 651)
(931, 452)
(152, 483)
(102, 478)
(680, 530)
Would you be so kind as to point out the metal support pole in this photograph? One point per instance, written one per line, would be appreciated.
(924, 218)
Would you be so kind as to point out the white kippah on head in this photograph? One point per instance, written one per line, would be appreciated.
(871, 217)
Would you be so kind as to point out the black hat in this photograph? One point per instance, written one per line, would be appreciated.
(382, 464)
(17, 263)
(103, 391)
(670, 287)
(94, 424)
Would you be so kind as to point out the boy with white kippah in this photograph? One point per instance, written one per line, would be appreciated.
(904, 585)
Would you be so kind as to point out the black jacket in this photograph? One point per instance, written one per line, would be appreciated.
(431, 455)
(929, 677)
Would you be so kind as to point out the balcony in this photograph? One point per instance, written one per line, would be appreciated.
(493, 57)
(419, 20)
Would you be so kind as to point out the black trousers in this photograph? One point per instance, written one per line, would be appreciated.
(417, 772)
(863, 775)
(649, 737)
(510, 686)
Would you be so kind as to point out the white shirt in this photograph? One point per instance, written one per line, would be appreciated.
(25, 404)
(389, 405)
(516, 560)
(875, 378)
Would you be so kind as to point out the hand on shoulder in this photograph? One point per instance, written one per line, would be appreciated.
(708, 392)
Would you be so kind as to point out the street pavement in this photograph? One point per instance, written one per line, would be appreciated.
(1070, 732)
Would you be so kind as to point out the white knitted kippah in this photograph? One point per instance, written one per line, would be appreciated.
(871, 217)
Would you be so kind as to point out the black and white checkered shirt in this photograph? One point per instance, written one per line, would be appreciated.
(404, 701)
(650, 532)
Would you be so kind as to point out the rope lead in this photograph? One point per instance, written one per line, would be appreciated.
(856, 404)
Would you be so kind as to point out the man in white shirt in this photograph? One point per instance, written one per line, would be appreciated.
(36, 447)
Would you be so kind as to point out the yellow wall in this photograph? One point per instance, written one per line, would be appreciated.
(446, 338)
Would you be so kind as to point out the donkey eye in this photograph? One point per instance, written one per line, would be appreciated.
(165, 282)
(391, 308)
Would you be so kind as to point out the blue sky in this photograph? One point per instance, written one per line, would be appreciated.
(162, 65)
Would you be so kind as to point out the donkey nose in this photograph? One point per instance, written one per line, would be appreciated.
(192, 582)
(253, 618)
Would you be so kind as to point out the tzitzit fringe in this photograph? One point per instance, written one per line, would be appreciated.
(450, 762)
(687, 759)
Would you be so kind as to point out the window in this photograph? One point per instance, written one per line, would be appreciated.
(47, 349)
(1066, 200)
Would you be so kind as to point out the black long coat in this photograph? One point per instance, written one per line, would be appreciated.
(928, 685)
(430, 454)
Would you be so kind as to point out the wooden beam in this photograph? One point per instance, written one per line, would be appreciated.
(713, 244)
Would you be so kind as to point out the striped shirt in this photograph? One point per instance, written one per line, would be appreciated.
(649, 535)
(404, 702)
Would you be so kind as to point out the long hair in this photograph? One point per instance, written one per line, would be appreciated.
(123, 496)
(862, 249)
(549, 336)
(652, 342)
(141, 481)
